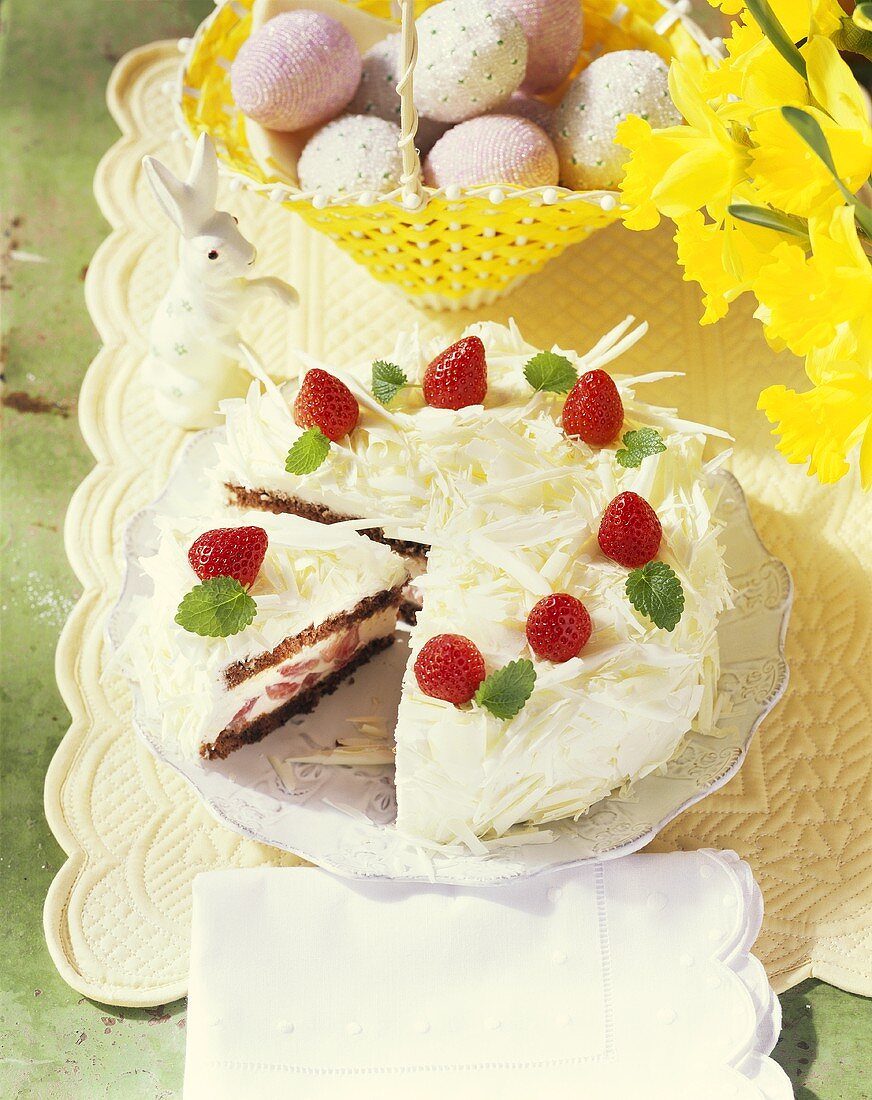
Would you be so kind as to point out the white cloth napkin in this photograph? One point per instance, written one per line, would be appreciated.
(631, 977)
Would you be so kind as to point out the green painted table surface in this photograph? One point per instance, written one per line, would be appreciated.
(56, 58)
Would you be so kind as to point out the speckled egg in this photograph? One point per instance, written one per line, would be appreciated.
(493, 149)
(350, 155)
(300, 69)
(553, 30)
(527, 106)
(377, 92)
(627, 82)
(471, 56)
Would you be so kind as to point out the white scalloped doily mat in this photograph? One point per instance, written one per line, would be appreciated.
(117, 914)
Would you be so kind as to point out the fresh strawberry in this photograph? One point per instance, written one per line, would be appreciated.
(457, 377)
(326, 403)
(630, 531)
(229, 552)
(449, 667)
(593, 410)
(558, 627)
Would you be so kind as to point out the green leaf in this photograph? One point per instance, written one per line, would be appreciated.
(216, 608)
(655, 592)
(777, 35)
(769, 219)
(505, 691)
(551, 372)
(387, 381)
(308, 452)
(639, 445)
(811, 133)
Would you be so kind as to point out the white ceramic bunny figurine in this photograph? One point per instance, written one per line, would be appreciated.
(194, 340)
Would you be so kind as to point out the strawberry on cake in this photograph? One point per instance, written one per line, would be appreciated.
(574, 580)
(252, 622)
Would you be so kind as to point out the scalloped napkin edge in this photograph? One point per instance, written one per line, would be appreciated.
(633, 977)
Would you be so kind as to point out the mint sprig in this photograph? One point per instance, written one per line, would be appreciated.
(387, 381)
(216, 608)
(551, 372)
(640, 445)
(505, 691)
(655, 592)
(308, 452)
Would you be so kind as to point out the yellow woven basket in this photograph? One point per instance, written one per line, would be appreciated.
(447, 248)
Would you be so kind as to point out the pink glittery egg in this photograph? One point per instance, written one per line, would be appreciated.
(300, 69)
(493, 149)
(377, 92)
(527, 106)
(553, 31)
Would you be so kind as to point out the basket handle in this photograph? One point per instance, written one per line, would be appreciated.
(411, 179)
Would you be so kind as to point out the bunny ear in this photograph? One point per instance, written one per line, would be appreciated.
(203, 176)
(173, 196)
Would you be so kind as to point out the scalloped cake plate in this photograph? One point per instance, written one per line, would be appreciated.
(340, 817)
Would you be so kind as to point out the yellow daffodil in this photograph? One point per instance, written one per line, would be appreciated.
(728, 7)
(761, 200)
(804, 298)
(681, 168)
(788, 176)
(724, 259)
(826, 17)
(755, 75)
(823, 426)
(833, 86)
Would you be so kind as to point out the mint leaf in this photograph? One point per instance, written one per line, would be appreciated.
(655, 592)
(639, 445)
(551, 372)
(308, 452)
(505, 691)
(216, 608)
(387, 381)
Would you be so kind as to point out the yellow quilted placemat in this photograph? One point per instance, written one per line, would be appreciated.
(116, 917)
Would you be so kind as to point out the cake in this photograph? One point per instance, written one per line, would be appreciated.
(325, 600)
(503, 505)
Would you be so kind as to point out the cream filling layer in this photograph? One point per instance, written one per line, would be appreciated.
(272, 688)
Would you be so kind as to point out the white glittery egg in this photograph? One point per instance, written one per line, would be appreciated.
(377, 92)
(472, 54)
(553, 29)
(493, 149)
(300, 69)
(350, 155)
(627, 82)
(527, 106)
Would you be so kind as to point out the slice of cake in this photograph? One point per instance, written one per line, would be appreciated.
(540, 486)
(251, 619)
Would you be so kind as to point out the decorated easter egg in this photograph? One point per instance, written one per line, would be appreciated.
(553, 32)
(377, 92)
(627, 82)
(300, 69)
(493, 149)
(527, 106)
(471, 56)
(350, 155)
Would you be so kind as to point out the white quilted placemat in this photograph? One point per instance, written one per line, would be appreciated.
(117, 914)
